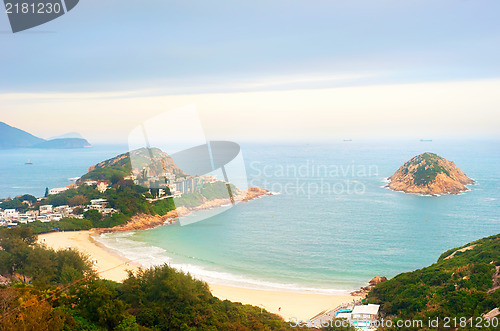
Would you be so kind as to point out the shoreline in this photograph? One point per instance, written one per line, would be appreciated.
(113, 266)
(144, 221)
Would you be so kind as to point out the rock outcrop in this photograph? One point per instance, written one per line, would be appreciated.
(363, 291)
(255, 192)
(429, 174)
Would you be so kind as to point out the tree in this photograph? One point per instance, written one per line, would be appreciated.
(115, 178)
(46, 192)
(77, 200)
(93, 215)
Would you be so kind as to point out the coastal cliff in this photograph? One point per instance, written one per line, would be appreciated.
(429, 174)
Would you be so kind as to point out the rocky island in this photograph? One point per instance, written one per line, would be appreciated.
(429, 174)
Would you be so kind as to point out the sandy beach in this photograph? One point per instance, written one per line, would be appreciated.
(111, 265)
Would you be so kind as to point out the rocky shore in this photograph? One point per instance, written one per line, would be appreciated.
(143, 221)
(363, 291)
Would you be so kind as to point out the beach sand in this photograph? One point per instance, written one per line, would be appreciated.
(110, 265)
(301, 306)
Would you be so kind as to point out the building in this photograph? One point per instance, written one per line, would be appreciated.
(57, 190)
(98, 202)
(102, 186)
(209, 179)
(363, 317)
(10, 214)
(46, 209)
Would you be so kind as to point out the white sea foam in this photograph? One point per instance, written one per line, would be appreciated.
(148, 256)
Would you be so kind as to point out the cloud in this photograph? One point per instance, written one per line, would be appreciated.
(437, 109)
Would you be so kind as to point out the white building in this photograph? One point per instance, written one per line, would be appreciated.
(363, 317)
(102, 187)
(46, 209)
(57, 190)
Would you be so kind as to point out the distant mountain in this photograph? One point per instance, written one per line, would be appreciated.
(11, 137)
(429, 173)
(67, 135)
(63, 143)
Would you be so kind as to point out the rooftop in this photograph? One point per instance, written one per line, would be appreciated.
(366, 309)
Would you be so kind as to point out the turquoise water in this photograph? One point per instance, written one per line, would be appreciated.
(338, 238)
(333, 226)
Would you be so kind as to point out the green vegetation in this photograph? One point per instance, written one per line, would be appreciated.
(453, 287)
(57, 291)
(36, 265)
(109, 174)
(427, 168)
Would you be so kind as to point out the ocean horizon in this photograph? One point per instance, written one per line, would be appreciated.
(330, 227)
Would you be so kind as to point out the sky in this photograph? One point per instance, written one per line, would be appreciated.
(258, 69)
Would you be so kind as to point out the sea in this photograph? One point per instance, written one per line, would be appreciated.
(330, 226)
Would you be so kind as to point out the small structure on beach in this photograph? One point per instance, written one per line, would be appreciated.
(363, 317)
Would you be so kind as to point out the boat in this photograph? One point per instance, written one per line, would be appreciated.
(28, 162)
(425, 140)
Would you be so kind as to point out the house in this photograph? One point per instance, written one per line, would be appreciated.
(64, 210)
(10, 214)
(98, 201)
(26, 218)
(108, 211)
(55, 217)
(102, 186)
(43, 219)
(98, 204)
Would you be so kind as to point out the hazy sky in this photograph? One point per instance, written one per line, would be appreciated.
(276, 69)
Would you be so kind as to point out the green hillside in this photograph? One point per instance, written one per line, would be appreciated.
(460, 284)
(427, 168)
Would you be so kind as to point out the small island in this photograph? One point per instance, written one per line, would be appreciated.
(429, 174)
